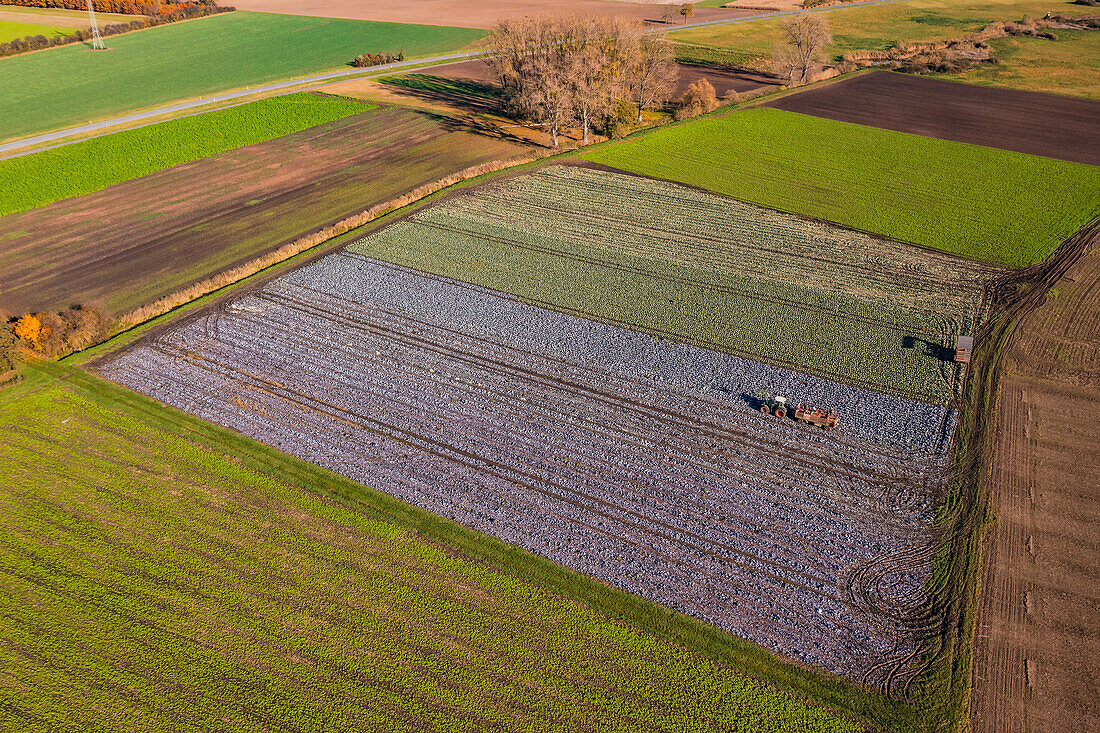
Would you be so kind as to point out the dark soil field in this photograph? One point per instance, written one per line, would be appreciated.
(1028, 122)
(724, 80)
(1037, 644)
(140, 240)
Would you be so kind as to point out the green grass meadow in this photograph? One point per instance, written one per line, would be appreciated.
(10, 31)
(163, 574)
(34, 180)
(981, 203)
(72, 84)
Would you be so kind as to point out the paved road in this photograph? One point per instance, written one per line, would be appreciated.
(9, 149)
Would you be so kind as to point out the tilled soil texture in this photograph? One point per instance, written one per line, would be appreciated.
(723, 80)
(142, 239)
(480, 14)
(1037, 661)
(633, 459)
(1028, 122)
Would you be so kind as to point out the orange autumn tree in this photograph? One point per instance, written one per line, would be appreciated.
(29, 329)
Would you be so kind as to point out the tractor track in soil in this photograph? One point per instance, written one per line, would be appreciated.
(1016, 295)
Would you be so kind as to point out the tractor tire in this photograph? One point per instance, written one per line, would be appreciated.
(764, 409)
(780, 412)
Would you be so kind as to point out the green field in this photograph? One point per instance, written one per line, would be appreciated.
(10, 31)
(30, 181)
(160, 573)
(194, 58)
(881, 26)
(704, 270)
(982, 203)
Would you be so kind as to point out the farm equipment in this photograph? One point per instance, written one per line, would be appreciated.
(824, 419)
(772, 405)
(777, 405)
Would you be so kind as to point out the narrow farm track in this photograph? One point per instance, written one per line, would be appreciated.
(813, 544)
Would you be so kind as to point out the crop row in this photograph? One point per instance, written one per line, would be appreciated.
(814, 545)
(829, 313)
(702, 230)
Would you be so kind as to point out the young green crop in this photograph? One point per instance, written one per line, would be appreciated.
(158, 576)
(981, 203)
(30, 181)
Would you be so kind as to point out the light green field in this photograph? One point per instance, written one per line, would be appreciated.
(71, 85)
(1071, 59)
(982, 203)
(163, 574)
(30, 181)
(10, 31)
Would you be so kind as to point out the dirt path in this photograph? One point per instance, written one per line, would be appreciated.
(1037, 648)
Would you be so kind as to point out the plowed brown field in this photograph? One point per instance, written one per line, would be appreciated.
(142, 239)
(1037, 649)
(480, 14)
(1028, 122)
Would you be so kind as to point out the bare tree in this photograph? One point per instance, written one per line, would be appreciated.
(656, 73)
(699, 99)
(530, 67)
(572, 69)
(603, 54)
(803, 53)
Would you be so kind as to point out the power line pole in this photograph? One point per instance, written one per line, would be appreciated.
(97, 40)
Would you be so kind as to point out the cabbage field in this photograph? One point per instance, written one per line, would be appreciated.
(700, 269)
(638, 461)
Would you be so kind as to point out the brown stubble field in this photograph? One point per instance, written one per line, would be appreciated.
(139, 240)
(1050, 125)
(1037, 639)
(477, 15)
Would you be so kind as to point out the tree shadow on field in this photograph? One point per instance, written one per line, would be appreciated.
(464, 94)
(936, 351)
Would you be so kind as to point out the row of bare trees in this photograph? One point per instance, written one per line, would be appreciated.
(571, 70)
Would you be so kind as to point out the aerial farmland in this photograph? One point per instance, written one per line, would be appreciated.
(484, 367)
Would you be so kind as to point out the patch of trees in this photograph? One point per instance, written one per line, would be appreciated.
(592, 72)
(158, 14)
(53, 334)
(377, 59)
